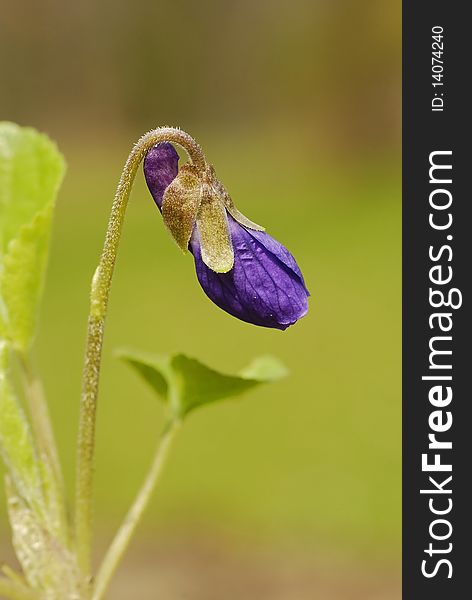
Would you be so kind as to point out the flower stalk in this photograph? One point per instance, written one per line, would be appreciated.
(100, 292)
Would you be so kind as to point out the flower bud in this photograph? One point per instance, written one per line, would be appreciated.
(240, 267)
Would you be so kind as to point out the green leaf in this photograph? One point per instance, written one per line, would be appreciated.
(48, 566)
(13, 586)
(31, 171)
(265, 368)
(16, 443)
(37, 535)
(185, 384)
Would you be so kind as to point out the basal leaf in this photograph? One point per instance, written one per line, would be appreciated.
(49, 567)
(16, 443)
(13, 586)
(22, 278)
(185, 383)
(31, 171)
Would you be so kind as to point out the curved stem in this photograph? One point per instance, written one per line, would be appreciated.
(98, 308)
(132, 519)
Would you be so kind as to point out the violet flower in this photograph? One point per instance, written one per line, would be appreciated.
(241, 268)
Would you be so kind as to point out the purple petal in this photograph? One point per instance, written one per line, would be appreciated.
(265, 286)
(161, 165)
(281, 252)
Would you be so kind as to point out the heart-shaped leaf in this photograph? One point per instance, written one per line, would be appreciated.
(31, 171)
(185, 383)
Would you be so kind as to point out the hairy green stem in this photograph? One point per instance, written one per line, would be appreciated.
(98, 308)
(135, 513)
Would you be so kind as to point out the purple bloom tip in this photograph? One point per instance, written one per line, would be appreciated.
(265, 286)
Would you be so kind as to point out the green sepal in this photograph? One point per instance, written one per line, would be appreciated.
(185, 384)
(215, 239)
(180, 205)
(229, 204)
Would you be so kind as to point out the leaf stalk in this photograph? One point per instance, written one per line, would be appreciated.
(121, 540)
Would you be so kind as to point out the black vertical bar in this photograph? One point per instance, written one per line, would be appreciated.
(425, 131)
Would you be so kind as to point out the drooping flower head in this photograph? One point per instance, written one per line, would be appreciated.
(240, 267)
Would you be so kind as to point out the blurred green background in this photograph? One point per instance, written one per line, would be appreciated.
(293, 492)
